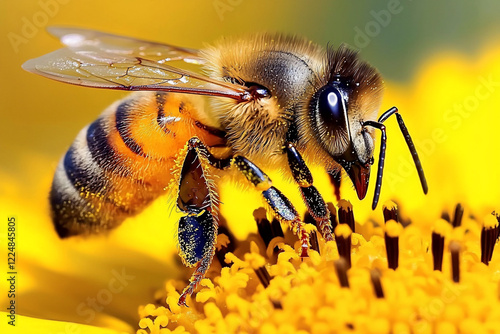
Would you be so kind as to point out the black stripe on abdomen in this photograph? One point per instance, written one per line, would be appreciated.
(102, 151)
(84, 175)
(123, 123)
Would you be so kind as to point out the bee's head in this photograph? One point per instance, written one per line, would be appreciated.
(342, 134)
(346, 96)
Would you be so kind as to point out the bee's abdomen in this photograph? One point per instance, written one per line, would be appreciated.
(79, 192)
(120, 163)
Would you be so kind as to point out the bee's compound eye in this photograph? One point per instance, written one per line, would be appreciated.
(331, 106)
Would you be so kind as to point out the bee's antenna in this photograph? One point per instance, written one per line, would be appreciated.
(381, 159)
(413, 152)
(409, 142)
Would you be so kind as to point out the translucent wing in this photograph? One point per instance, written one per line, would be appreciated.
(102, 60)
(109, 43)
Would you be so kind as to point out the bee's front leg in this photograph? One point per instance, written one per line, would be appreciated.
(312, 198)
(279, 204)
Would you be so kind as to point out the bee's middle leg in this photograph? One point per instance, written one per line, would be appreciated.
(312, 198)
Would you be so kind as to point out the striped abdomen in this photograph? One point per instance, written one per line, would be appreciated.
(121, 162)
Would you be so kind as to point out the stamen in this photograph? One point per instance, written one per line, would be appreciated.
(341, 269)
(488, 238)
(390, 210)
(441, 229)
(377, 284)
(455, 260)
(345, 213)
(313, 239)
(263, 276)
(457, 217)
(393, 230)
(277, 304)
(343, 239)
(333, 214)
(263, 225)
(271, 233)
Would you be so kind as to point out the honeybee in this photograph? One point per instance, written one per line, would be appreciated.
(235, 107)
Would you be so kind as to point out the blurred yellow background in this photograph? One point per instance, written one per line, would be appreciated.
(439, 61)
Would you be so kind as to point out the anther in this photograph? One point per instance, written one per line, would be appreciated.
(488, 238)
(345, 213)
(313, 240)
(457, 217)
(341, 269)
(333, 215)
(267, 231)
(263, 276)
(455, 260)
(440, 230)
(313, 236)
(270, 232)
(390, 210)
(393, 230)
(377, 284)
(277, 304)
(445, 216)
(343, 239)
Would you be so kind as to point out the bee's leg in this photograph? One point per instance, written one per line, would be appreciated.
(312, 198)
(279, 204)
(198, 229)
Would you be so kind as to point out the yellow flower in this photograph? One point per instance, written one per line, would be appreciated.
(39, 326)
(318, 295)
(107, 284)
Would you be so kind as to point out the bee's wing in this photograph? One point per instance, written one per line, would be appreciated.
(106, 61)
(109, 43)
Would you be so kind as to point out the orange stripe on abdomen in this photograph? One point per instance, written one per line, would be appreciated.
(120, 163)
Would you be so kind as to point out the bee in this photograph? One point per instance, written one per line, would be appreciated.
(267, 101)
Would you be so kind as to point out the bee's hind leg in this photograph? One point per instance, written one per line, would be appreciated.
(198, 229)
(312, 198)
